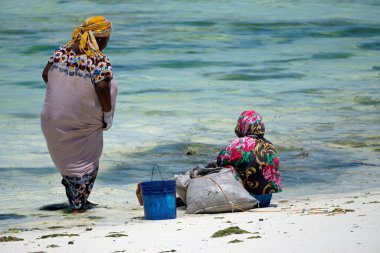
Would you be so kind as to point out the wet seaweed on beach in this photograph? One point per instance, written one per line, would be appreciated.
(254, 237)
(10, 239)
(88, 229)
(15, 230)
(13, 216)
(56, 235)
(116, 234)
(371, 202)
(341, 211)
(235, 241)
(219, 218)
(55, 227)
(92, 217)
(70, 242)
(53, 246)
(229, 231)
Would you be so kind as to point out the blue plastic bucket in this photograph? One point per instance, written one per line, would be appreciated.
(159, 198)
(264, 200)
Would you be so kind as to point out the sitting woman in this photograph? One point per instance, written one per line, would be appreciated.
(254, 158)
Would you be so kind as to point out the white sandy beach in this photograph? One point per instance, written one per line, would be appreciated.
(330, 223)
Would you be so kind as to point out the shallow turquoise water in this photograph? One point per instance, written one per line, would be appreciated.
(186, 69)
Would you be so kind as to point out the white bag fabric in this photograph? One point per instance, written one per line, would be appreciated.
(217, 193)
(182, 181)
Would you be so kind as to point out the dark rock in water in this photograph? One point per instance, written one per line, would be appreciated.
(8, 216)
(54, 207)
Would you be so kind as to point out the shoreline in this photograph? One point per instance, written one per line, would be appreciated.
(344, 222)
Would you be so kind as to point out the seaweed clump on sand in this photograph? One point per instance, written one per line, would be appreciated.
(229, 231)
(341, 211)
(56, 235)
(10, 239)
(254, 237)
(116, 234)
(52, 246)
(235, 241)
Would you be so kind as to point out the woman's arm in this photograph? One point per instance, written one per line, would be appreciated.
(45, 72)
(103, 90)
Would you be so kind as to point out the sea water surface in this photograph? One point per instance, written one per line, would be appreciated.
(186, 70)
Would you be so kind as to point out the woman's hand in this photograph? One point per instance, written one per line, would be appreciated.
(107, 118)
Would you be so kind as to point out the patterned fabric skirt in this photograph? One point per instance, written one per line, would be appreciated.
(78, 189)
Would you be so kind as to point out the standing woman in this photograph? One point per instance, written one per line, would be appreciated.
(79, 106)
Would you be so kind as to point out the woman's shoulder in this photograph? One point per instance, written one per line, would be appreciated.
(61, 54)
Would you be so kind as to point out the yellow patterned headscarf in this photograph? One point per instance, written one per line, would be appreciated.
(96, 26)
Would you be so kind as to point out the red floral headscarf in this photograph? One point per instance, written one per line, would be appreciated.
(250, 123)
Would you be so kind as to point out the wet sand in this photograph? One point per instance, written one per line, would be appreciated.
(329, 223)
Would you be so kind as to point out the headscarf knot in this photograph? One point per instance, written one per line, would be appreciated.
(85, 34)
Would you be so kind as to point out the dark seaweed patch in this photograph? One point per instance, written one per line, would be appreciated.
(52, 246)
(332, 56)
(10, 216)
(248, 77)
(10, 239)
(57, 235)
(349, 32)
(54, 207)
(195, 23)
(187, 64)
(370, 45)
(229, 231)
(367, 100)
(116, 234)
(24, 115)
(235, 241)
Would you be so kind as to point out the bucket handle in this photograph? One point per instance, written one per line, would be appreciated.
(158, 168)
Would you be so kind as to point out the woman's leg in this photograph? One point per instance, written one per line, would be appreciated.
(78, 190)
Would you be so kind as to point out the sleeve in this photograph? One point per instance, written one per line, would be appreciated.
(58, 55)
(102, 70)
(224, 157)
